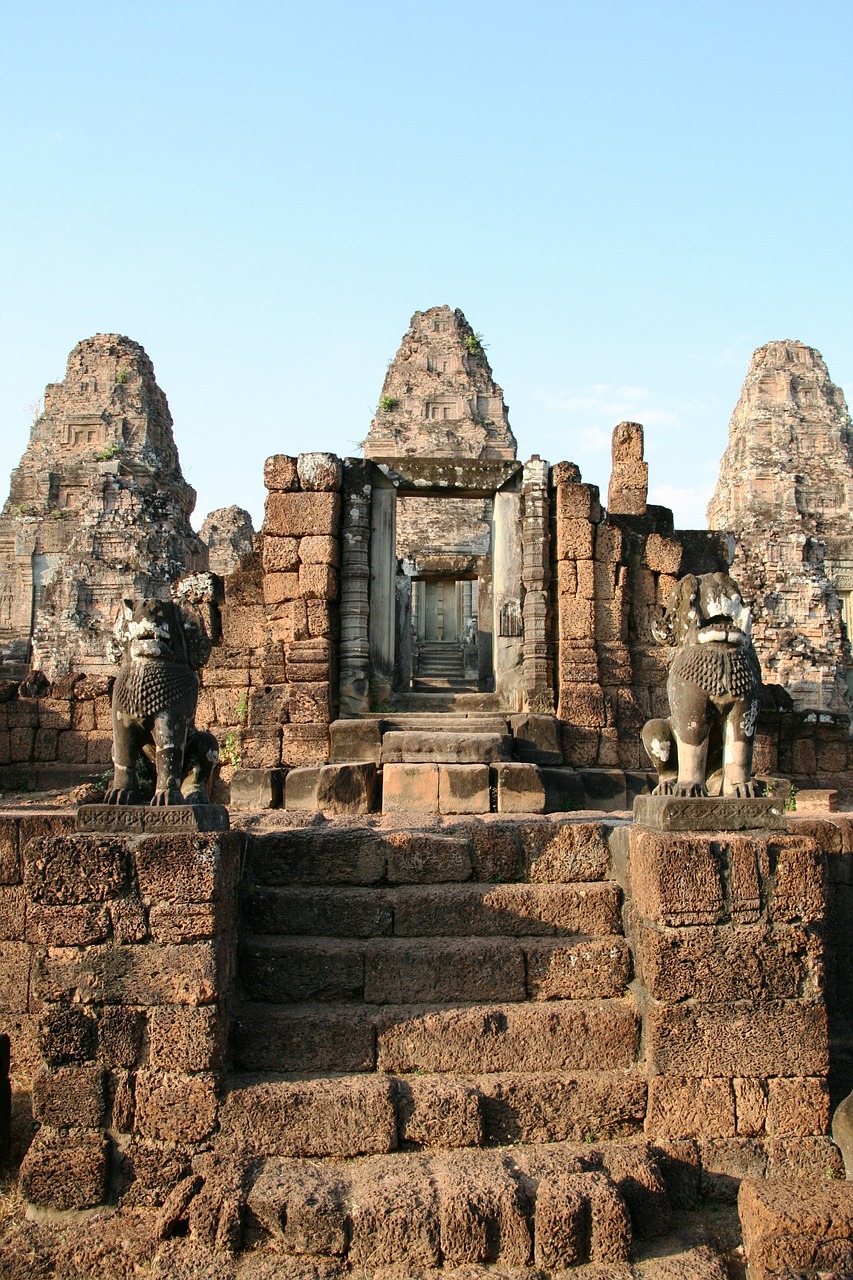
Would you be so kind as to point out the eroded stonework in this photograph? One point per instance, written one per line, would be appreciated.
(439, 398)
(786, 491)
(228, 533)
(98, 509)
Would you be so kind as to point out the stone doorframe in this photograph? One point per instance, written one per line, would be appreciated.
(517, 618)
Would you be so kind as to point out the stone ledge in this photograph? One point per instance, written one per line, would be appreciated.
(143, 819)
(709, 813)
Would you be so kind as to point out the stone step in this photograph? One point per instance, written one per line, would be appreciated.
(428, 746)
(409, 1213)
(444, 722)
(461, 910)
(445, 700)
(553, 850)
(383, 971)
(352, 1115)
(553, 1035)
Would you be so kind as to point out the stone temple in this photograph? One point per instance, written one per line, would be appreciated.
(445, 1001)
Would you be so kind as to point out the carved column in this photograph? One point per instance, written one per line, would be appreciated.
(355, 589)
(536, 577)
(383, 563)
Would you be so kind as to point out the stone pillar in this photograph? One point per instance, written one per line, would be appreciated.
(355, 589)
(629, 476)
(577, 511)
(382, 602)
(507, 611)
(536, 577)
(133, 954)
(726, 931)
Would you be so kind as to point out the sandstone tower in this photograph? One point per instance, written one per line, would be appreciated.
(785, 490)
(98, 509)
(439, 399)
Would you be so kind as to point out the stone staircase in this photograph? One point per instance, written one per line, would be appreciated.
(435, 1048)
(441, 664)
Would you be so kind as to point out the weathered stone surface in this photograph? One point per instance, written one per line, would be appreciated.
(562, 1035)
(442, 363)
(515, 909)
(439, 1111)
(407, 787)
(302, 1204)
(256, 789)
(541, 1107)
(128, 975)
(98, 509)
(748, 1037)
(316, 1117)
(135, 819)
(519, 788)
(228, 534)
(705, 813)
(463, 788)
(174, 1107)
(65, 1169)
(786, 479)
(794, 1226)
(447, 748)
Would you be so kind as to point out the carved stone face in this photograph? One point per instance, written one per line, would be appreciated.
(152, 629)
(708, 609)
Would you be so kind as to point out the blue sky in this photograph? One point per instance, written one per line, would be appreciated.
(625, 199)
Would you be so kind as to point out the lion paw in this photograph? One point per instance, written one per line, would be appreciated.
(122, 795)
(743, 790)
(168, 796)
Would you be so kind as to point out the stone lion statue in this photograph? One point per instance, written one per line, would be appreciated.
(705, 746)
(154, 702)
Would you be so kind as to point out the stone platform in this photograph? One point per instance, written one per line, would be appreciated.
(145, 819)
(709, 813)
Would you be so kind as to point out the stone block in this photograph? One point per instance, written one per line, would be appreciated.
(261, 748)
(728, 962)
(76, 926)
(174, 1107)
(589, 969)
(563, 789)
(709, 813)
(575, 618)
(400, 971)
(395, 1217)
(682, 1107)
(187, 868)
(187, 921)
(519, 788)
(256, 789)
(300, 789)
(795, 1227)
(434, 1111)
(129, 975)
(430, 746)
(295, 515)
(463, 788)
(302, 1205)
(320, 472)
(347, 788)
(280, 587)
(414, 858)
(676, 880)
(798, 870)
(12, 913)
(541, 1107)
(285, 971)
(518, 910)
(663, 555)
(318, 582)
(575, 539)
(496, 852)
(67, 869)
(316, 856)
(410, 788)
(565, 851)
(280, 473)
(310, 704)
(604, 789)
(325, 550)
(482, 1214)
(65, 1170)
(280, 555)
(537, 739)
(797, 1106)
(571, 1035)
(244, 627)
(741, 1038)
(10, 867)
(304, 744)
(186, 1040)
(120, 1036)
(67, 1035)
(578, 502)
(355, 740)
(70, 1096)
(344, 1118)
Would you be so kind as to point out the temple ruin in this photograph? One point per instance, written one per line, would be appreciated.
(98, 509)
(456, 995)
